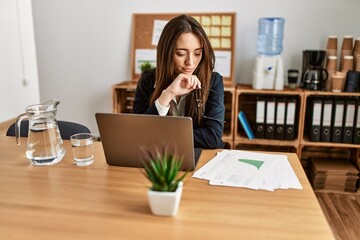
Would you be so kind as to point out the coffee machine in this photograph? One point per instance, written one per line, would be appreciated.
(314, 74)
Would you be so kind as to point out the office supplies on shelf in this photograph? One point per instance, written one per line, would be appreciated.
(270, 118)
(280, 119)
(315, 127)
(258, 171)
(245, 124)
(349, 117)
(290, 119)
(357, 123)
(337, 122)
(260, 118)
(325, 135)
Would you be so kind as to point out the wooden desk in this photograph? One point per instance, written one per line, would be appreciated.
(103, 202)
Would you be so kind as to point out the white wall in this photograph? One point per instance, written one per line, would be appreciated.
(19, 85)
(83, 46)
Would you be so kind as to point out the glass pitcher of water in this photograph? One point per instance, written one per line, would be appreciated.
(44, 143)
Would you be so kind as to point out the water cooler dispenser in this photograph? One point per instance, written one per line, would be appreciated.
(269, 66)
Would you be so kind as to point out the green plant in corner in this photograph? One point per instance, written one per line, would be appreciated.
(162, 167)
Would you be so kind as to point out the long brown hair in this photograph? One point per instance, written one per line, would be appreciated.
(165, 69)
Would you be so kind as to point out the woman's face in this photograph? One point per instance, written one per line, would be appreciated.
(188, 53)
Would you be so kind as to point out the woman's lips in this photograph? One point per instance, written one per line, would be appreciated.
(187, 70)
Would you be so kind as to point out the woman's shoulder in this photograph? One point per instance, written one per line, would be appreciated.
(148, 74)
(216, 78)
(147, 78)
(216, 75)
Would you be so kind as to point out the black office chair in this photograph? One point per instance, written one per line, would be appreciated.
(66, 129)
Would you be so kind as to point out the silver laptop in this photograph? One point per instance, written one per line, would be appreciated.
(123, 134)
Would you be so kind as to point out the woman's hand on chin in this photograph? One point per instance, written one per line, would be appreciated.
(184, 84)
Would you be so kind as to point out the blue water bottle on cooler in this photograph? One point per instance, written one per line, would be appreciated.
(270, 36)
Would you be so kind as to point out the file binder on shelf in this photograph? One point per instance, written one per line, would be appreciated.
(280, 119)
(260, 118)
(349, 117)
(337, 123)
(245, 124)
(290, 119)
(270, 118)
(315, 127)
(357, 124)
(325, 135)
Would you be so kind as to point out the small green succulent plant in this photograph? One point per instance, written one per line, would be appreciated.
(162, 168)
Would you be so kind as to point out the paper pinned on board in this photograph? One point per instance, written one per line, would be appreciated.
(223, 63)
(258, 171)
(157, 30)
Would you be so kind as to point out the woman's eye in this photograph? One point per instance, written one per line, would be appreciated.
(180, 54)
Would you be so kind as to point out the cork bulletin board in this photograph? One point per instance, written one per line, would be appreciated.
(220, 28)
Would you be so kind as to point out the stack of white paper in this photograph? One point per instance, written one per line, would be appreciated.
(250, 170)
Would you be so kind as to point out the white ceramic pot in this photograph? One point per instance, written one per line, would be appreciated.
(165, 203)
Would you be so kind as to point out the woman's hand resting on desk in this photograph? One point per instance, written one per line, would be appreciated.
(182, 84)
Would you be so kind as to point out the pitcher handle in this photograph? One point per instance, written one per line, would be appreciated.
(17, 127)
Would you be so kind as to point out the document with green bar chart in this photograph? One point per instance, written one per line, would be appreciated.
(252, 170)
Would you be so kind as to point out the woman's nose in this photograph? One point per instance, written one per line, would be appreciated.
(189, 60)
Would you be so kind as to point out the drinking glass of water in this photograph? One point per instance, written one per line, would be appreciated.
(83, 149)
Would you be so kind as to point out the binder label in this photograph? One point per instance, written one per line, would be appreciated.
(350, 113)
(270, 113)
(339, 113)
(317, 114)
(280, 113)
(290, 116)
(327, 115)
(260, 112)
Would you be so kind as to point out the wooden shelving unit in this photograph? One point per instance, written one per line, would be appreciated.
(310, 149)
(123, 96)
(246, 101)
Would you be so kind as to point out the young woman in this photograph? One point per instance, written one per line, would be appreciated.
(183, 83)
